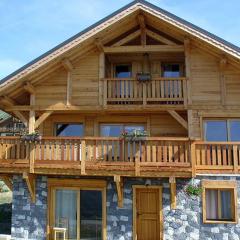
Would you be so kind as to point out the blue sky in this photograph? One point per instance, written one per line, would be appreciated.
(30, 28)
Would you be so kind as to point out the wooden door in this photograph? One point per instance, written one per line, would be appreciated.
(148, 214)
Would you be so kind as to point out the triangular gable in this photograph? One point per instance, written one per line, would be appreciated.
(91, 31)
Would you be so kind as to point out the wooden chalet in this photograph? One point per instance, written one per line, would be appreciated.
(141, 69)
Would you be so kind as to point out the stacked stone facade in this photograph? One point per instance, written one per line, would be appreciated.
(29, 220)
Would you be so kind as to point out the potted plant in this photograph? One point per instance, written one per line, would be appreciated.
(193, 189)
(31, 137)
(135, 135)
(143, 77)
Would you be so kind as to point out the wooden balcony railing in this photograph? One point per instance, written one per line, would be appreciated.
(108, 155)
(94, 153)
(161, 91)
(217, 156)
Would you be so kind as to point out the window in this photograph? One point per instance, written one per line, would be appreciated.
(123, 71)
(222, 130)
(115, 130)
(69, 130)
(80, 208)
(219, 201)
(171, 70)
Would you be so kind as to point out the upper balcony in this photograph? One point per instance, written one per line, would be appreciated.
(158, 91)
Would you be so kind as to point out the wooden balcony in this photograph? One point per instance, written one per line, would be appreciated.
(217, 157)
(158, 91)
(97, 156)
(107, 156)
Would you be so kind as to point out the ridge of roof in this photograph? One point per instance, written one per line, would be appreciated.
(143, 2)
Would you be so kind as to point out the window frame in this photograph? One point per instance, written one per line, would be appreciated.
(73, 123)
(122, 64)
(75, 184)
(220, 185)
(124, 124)
(227, 120)
(181, 67)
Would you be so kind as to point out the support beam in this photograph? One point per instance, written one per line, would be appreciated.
(119, 186)
(99, 45)
(143, 49)
(67, 64)
(181, 120)
(31, 184)
(29, 88)
(10, 102)
(172, 182)
(69, 68)
(159, 37)
(187, 50)
(222, 68)
(101, 76)
(42, 118)
(31, 124)
(127, 39)
(142, 24)
(7, 180)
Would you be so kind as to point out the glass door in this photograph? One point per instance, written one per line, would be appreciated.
(80, 212)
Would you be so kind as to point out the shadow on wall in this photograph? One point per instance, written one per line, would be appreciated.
(5, 218)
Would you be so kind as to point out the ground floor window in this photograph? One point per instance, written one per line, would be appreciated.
(219, 201)
(78, 209)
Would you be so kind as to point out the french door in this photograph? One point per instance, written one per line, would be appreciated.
(80, 211)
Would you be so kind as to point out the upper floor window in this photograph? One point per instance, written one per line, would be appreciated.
(123, 71)
(222, 130)
(115, 130)
(170, 70)
(69, 130)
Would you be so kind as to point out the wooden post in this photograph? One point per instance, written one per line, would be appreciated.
(105, 93)
(222, 68)
(193, 158)
(235, 159)
(187, 48)
(31, 129)
(101, 77)
(83, 157)
(31, 184)
(172, 182)
(119, 185)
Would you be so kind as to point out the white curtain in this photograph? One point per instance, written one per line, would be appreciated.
(211, 204)
(66, 211)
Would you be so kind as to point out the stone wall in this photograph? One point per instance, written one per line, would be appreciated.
(29, 221)
(184, 223)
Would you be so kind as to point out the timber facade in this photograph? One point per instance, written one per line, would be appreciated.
(140, 70)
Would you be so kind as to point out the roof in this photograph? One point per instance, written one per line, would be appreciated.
(161, 11)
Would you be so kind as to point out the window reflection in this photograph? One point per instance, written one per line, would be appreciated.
(222, 130)
(69, 130)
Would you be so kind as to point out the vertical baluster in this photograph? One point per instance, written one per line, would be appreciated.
(116, 144)
(131, 83)
(224, 155)
(122, 88)
(148, 151)
(163, 94)
(159, 151)
(110, 150)
(176, 151)
(219, 155)
(157, 89)
(154, 151)
(143, 151)
(214, 156)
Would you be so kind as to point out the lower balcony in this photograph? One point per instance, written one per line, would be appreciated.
(102, 156)
(108, 156)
